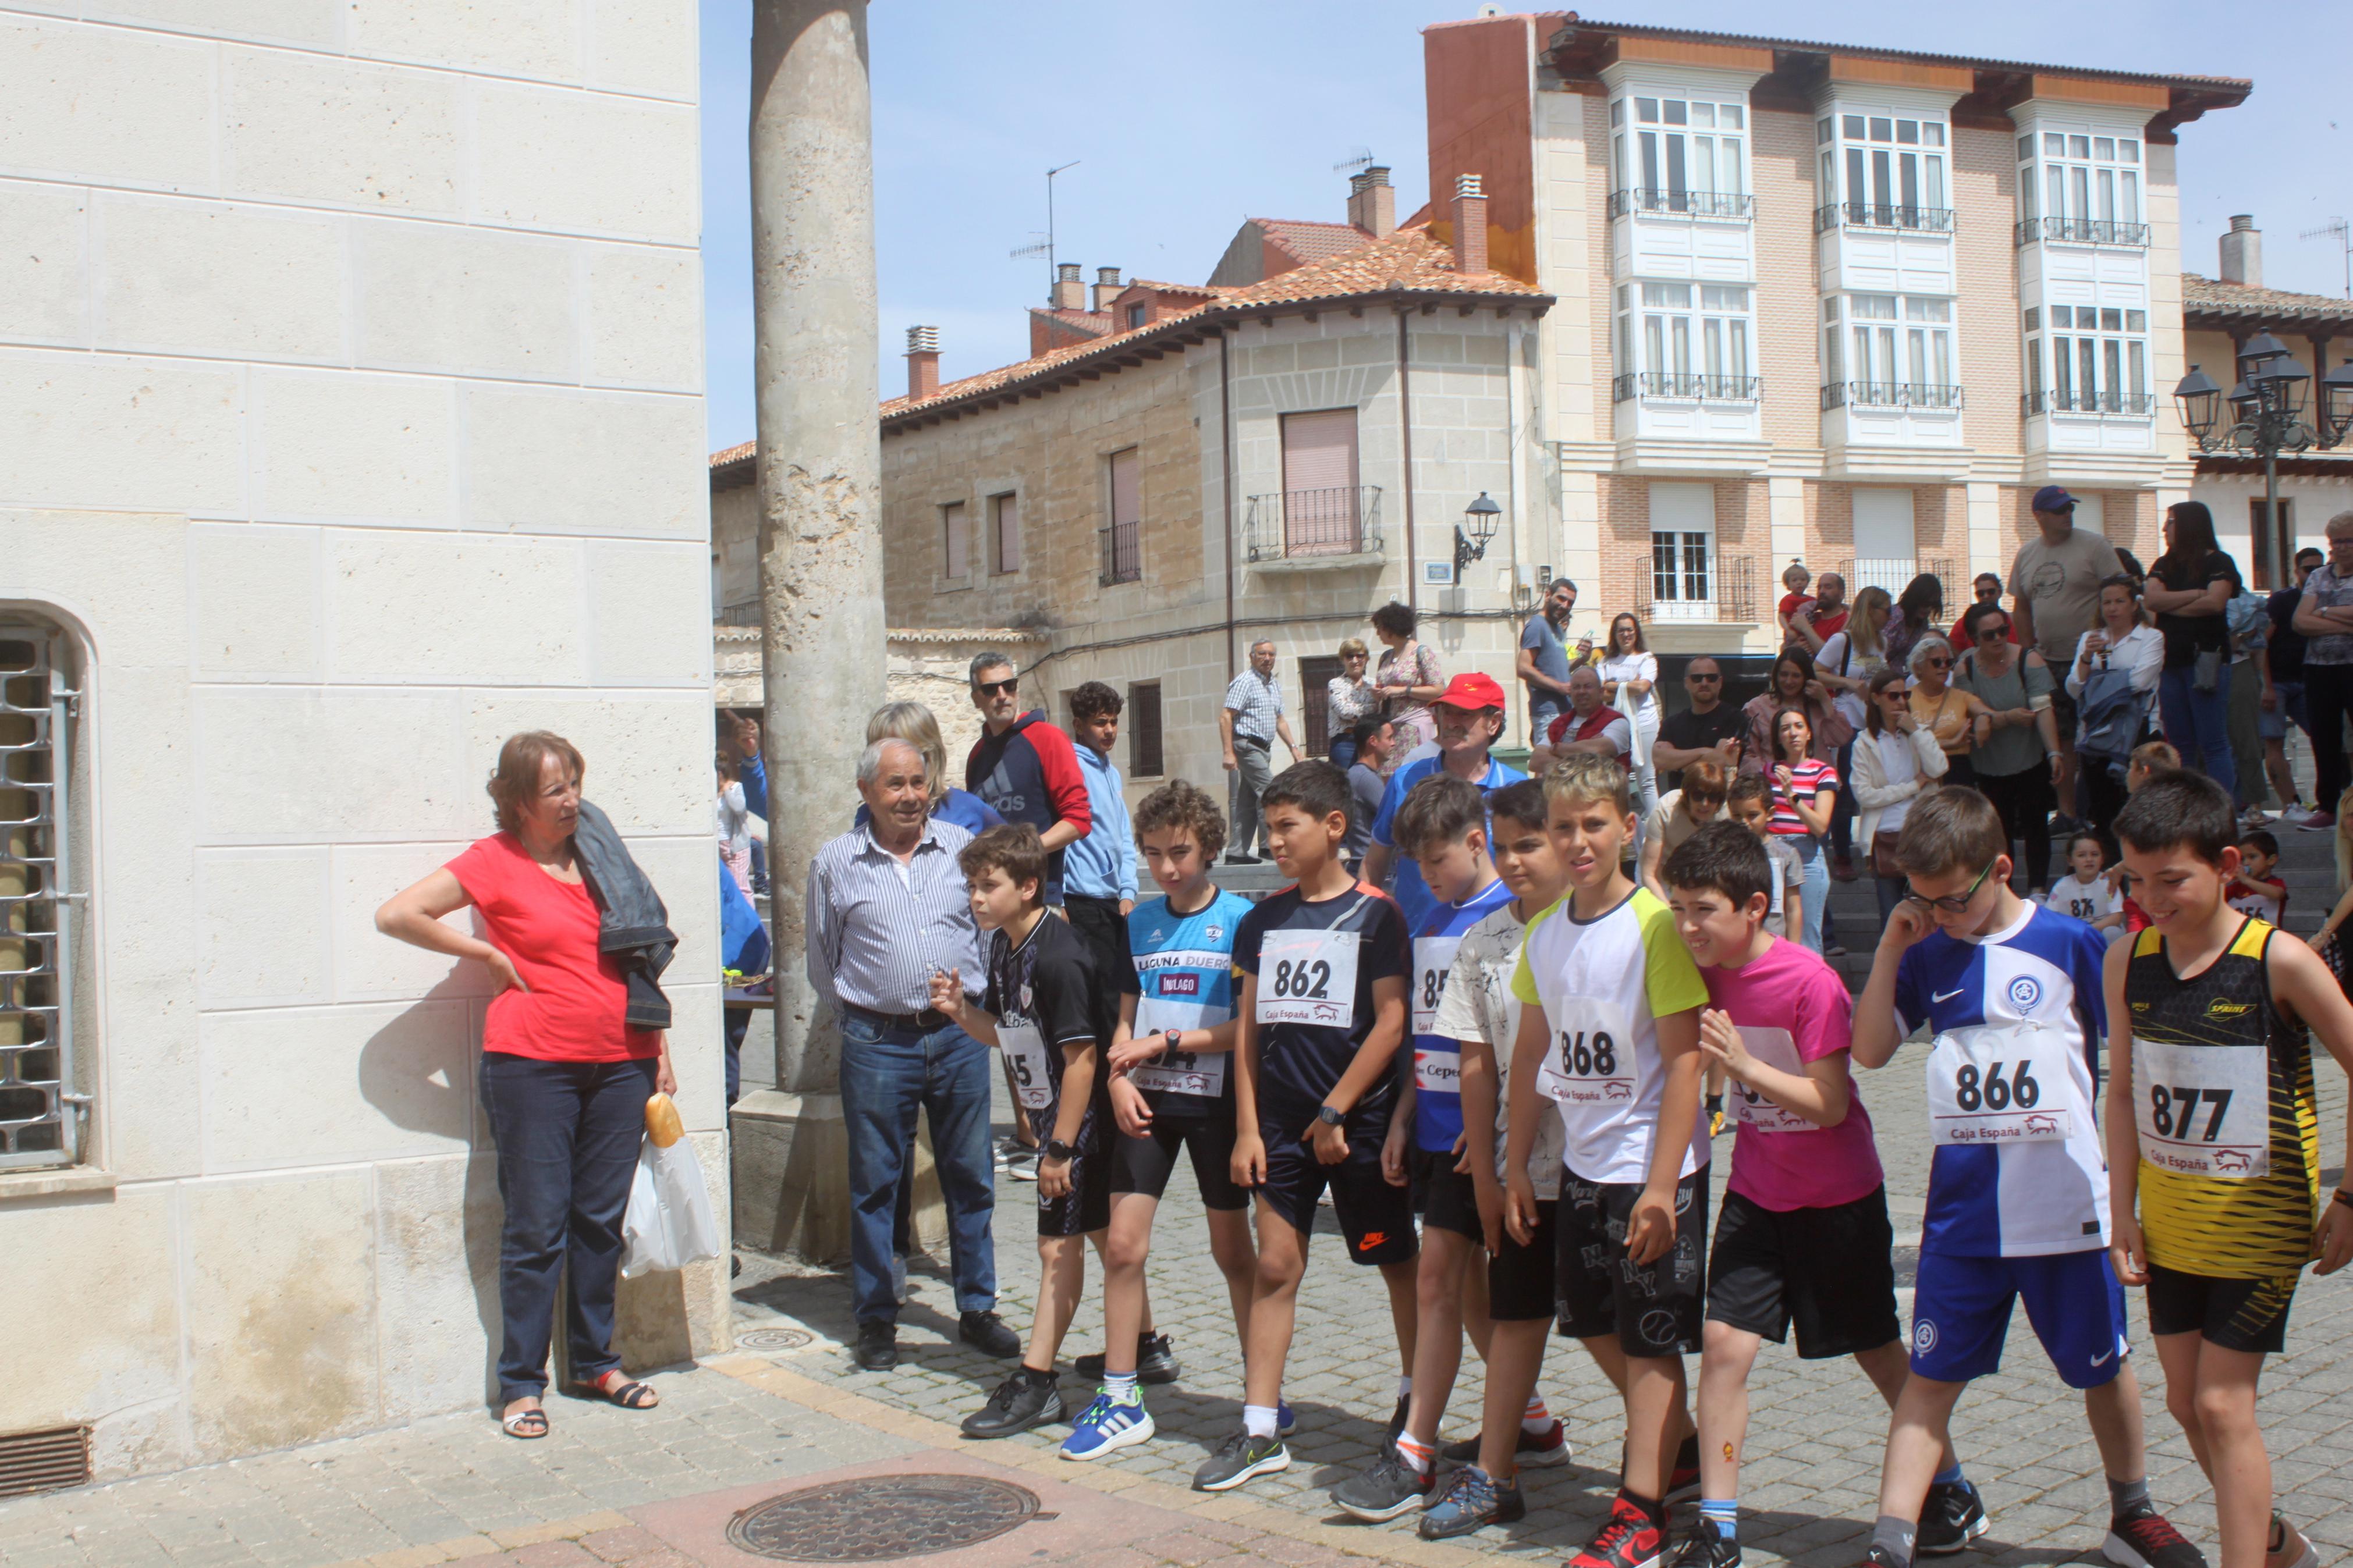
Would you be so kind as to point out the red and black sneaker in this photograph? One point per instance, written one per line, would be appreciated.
(2141, 1538)
(1684, 1484)
(1634, 1536)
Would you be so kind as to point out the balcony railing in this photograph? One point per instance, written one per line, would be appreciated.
(2083, 231)
(1681, 204)
(2130, 404)
(1721, 590)
(1893, 574)
(1889, 394)
(1879, 215)
(1676, 383)
(1291, 525)
(1122, 553)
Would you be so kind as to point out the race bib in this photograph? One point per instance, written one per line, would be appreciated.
(1308, 977)
(1438, 1072)
(1433, 961)
(1776, 1048)
(2006, 1084)
(1178, 1072)
(1591, 1062)
(1025, 1052)
(2203, 1110)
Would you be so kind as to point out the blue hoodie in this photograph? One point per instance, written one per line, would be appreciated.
(1102, 864)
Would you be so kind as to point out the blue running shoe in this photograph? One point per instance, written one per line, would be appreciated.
(1106, 1426)
(1471, 1500)
(1285, 1423)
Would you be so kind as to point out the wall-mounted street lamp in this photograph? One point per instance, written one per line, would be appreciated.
(2266, 410)
(1473, 533)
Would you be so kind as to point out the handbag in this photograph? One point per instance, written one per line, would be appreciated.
(2207, 675)
(1882, 852)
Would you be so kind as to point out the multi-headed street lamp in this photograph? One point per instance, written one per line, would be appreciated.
(2266, 410)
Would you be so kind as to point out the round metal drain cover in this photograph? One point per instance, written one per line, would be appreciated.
(772, 1339)
(880, 1518)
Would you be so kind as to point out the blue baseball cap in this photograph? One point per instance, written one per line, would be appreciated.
(2053, 498)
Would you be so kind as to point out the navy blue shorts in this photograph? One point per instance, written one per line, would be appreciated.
(1960, 1315)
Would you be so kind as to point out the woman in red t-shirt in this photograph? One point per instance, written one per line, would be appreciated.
(564, 1079)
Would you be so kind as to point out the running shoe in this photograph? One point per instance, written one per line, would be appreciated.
(1953, 1516)
(1397, 1423)
(2292, 1550)
(1684, 1484)
(1543, 1449)
(1473, 1499)
(1391, 1487)
(1020, 1401)
(2140, 1537)
(1714, 1106)
(987, 1332)
(1708, 1547)
(2318, 822)
(1155, 1361)
(1285, 1421)
(1630, 1538)
(1880, 1557)
(1237, 1458)
(1107, 1425)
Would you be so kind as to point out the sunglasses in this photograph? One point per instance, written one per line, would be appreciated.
(1937, 663)
(1703, 675)
(996, 688)
(1993, 632)
(1959, 905)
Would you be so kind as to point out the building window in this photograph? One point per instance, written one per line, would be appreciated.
(1681, 155)
(1322, 508)
(41, 1110)
(1004, 533)
(1144, 759)
(1121, 535)
(1687, 340)
(2087, 359)
(2079, 187)
(1317, 674)
(1881, 171)
(1683, 567)
(1136, 315)
(1892, 351)
(956, 541)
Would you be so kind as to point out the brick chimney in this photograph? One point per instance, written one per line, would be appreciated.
(1070, 294)
(1372, 202)
(2242, 252)
(923, 361)
(1107, 288)
(1470, 226)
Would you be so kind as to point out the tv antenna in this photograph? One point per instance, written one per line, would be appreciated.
(1362, 158)
(1045, 246)
(2338, 228)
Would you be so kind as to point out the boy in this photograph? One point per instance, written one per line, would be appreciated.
(1610, 1033)
(1804, 1236)
(1099, 870)
(1477, 1011)
(1443, 825)
(1043, 1009)
(1751, 802)
(1321, 1015)
(2084, 893)
(2208, 1012)
(2018, 1192)
(2252, 890)
(1170, 1091)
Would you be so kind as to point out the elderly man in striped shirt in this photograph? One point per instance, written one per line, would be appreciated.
(887, 909)
(1248, 724)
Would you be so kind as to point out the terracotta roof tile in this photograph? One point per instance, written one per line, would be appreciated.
(1309, 242)
(736, 453)
(2209, 297)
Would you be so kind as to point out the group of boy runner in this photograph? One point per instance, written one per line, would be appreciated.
(1525, 1073)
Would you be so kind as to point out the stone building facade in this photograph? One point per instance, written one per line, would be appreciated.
(350, 420)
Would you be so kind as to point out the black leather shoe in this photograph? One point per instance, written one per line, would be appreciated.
(987, 1332)
(878, 1346)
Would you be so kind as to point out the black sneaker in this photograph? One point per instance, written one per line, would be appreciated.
(1237, 1458)
(1471, 1501)
(1684, 1484)
(1708, 1547)
(1155, 1361)
(1544, 1449)
(987, 1332)
(1022, 1401)
(1236, 858)
(1397, 1423)
(2141, 1538)
(878, 1346)
(1391, 1488)
(1953, 1516)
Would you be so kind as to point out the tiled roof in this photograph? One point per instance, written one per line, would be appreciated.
(1205, 290)
(1075, 321)
(2254, 307)
(1307, 242)
(738, 453)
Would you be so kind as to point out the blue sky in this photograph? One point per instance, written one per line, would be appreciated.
(1187, 118)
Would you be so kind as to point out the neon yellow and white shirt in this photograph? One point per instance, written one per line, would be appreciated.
(1603, 984)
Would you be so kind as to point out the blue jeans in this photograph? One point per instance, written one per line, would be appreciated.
(1816, 890)
(568, 1137)
(886, 1075)
(2199, 723)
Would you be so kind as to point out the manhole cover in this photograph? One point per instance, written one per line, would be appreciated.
(881, 1518)
(771, 1340)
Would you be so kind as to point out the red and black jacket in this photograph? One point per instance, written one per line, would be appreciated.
(1030, 773)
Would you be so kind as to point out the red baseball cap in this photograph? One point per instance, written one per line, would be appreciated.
(1472, 690)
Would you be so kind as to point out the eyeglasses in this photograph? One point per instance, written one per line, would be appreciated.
(1990, 633)
(997, 688)
(1935, 663)
(1959, 905)
(1703, 675)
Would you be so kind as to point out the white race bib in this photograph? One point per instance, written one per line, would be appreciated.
(1998, 1084)
(1025, 1052)
(1433, 959)
(1178, 1072)
(1776, 1048)
(1308, 977)
(2203, 1110)
(1591, 1062)
(1438, 1072)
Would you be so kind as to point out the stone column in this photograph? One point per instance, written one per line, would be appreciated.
(820, 549)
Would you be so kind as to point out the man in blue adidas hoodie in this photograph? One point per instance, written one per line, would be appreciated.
(1099, 870)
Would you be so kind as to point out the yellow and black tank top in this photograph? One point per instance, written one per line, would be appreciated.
(2235, 1228)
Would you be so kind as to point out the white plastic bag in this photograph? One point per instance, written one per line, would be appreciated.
(669, 1222)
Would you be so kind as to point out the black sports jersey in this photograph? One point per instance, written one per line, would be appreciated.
(1296, 951)
(1046, 984)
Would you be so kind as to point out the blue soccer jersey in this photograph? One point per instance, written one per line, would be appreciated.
(1438, 1059)
(1183, 978)
(2038, 1182)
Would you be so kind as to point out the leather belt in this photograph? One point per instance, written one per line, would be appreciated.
(930, 1020)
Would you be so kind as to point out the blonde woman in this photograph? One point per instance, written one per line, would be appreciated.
(920, 727)
(1348, 701)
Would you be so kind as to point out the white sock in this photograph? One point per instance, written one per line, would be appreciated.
(1405, 1387)
(1536, 1419)
(1258, 1420)
(1121, 1386)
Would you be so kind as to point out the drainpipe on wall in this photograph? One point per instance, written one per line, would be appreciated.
(1226, 457)
(1405, 445)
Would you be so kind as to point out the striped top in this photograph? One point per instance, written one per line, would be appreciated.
(1806, 779)
(877, 927)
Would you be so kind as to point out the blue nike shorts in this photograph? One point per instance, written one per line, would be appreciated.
(1960, 1315)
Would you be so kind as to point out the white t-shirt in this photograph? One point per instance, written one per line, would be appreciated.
(2260, 905)
(1856, 666)
(1624, 666)
(2089, 903)
(1478, 1004)
(1602, 985)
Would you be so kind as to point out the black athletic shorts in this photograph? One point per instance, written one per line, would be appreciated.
(2236, 1314)
(1376, 1218)
(1519, 1278)
(1143, 1164)
(1448, 1200)
(1831, 1271)
(1086, 1207)
(1653, 1308)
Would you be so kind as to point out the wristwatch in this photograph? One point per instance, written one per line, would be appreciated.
(1057, 1149)
(1329, 1116)
(1171, 1038)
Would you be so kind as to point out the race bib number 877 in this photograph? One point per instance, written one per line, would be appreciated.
(2203, 1110)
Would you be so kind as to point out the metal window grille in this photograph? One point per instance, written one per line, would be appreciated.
(1143, 760)
(40, 1113)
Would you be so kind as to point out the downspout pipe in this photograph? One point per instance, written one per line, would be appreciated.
(1226, 457)
(1405, 447)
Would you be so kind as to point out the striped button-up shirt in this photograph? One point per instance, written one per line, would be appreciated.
(877, 927)
(1257, 703)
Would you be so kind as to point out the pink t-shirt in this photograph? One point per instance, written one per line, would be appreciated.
(1791, 990)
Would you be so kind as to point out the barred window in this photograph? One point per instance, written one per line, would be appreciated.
(41, 1110)
(1143, 758)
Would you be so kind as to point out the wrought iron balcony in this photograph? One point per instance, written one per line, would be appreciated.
(1632, 385)
(1122, 553)
(2134, 404)
(1890, 395)
(1681, 204)
(1893, 574)
(1880, 215)
(1294, 525)
(1677, 587)
(2083, 231)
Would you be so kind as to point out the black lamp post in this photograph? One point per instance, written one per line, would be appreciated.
(1480, 516)
(2266, 411)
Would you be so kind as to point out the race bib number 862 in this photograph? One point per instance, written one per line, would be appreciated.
(1308, 977)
